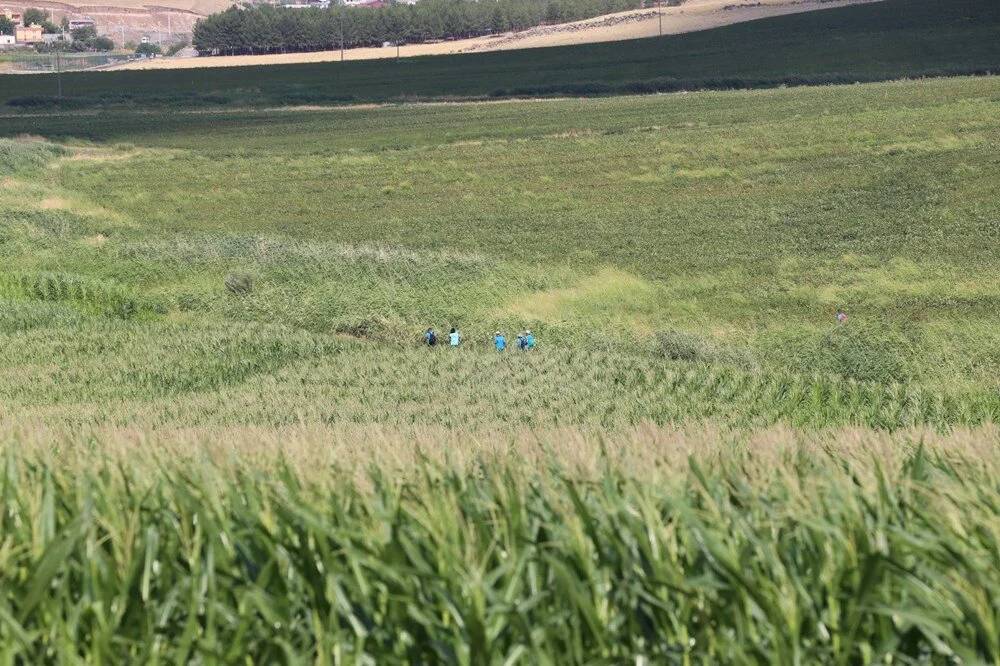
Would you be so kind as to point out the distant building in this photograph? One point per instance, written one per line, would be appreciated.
(303, 4)
(28, 34)
(7, 40)
(76, 24)
(16, 17)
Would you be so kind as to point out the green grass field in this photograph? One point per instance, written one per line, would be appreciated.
(696, 465)
(680, 257)
(875, 42)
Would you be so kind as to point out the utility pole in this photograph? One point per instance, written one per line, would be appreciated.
(341, 13)
(659, 15)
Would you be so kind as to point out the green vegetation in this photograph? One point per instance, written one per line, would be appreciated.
(681, 258)
(886, 40)
(299, 546)
(42, 18)
(148, 50)
(223, 442)
(87, 39)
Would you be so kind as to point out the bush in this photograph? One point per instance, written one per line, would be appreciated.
(867, 355)
(679, 346)
(880, 352)
(177, 47)
(240, 284)
(147, 50)
(22, 155)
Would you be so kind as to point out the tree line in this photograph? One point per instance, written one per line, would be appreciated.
(269, 29)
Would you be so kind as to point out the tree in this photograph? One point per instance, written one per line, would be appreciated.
(41, 18)
(33, 16)
(147, 50)
(6, 26)
(177, 47)
(103, 44)
(85, 34)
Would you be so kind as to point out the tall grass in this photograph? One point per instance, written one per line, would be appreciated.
(25, 155)
(422, 546)
(692, 276)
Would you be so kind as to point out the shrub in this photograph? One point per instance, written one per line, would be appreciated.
(880, 352)
(867, 355)
(18, 156)
(147, 50)
(680, 346)
(240, 284)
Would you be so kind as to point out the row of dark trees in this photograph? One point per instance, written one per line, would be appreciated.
(267, 29)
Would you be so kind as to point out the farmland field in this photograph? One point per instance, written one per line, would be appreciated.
(871, 42)
(696, 272)
(696, 464)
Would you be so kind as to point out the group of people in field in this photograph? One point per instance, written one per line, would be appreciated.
(525, 340)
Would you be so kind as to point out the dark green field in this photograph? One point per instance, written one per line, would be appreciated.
(893, 39)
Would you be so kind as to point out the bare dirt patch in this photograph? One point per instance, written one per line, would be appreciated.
(54, 203)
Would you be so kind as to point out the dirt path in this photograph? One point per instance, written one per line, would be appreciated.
(692, 16)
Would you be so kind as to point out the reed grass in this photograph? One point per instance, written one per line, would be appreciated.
(692, 276)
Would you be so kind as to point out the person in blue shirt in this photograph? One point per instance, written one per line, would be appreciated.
(430, 337)
(500, 341)
(529, 340)
(454, 339)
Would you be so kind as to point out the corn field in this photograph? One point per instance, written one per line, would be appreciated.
(372, 546)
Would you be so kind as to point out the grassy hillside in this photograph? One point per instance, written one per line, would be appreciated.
(680, 257)
(888, 40)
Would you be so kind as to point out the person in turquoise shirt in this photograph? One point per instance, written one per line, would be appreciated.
(500, 341)
(454, 339)
(529, 340)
